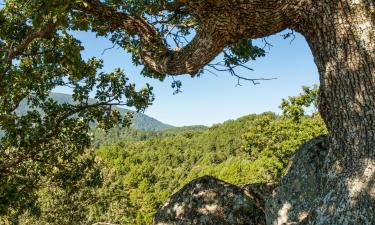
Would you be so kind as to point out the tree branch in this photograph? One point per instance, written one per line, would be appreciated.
(40, 32)
(6, 165)
(37, 33)
(221, 23)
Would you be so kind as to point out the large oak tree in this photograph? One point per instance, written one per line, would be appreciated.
(158, 33)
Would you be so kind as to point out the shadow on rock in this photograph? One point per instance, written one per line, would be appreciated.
(295, 195)
(208, 200)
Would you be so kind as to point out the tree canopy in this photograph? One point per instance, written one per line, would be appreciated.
(44, 146)
(39, 52)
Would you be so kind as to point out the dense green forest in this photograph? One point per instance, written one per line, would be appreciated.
(254, 148)
(108, 137)
(134, 171)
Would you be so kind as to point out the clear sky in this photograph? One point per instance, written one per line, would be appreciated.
(214, 99)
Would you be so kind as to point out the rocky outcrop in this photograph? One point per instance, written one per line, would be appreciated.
(295, 195)
(210, 201)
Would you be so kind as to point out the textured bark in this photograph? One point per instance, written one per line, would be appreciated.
(341, 35)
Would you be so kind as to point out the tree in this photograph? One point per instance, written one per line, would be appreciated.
(295, 106)
(340, 34)
(45, 148)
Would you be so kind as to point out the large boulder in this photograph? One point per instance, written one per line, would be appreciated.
(210, 201)
(295, 195)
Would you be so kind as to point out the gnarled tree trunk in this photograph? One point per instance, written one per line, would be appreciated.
(341, 35)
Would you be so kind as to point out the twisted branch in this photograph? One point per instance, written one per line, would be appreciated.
(221, 23)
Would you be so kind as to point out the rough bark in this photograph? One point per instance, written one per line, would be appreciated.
(341, 35)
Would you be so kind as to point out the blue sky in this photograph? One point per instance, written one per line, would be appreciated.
(214, 99)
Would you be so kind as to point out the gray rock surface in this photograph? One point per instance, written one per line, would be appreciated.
(259, 192)
(210, 201)
(295, 195)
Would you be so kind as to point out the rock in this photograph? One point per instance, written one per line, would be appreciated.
(295, 195)
(259, 192)
(210, 201)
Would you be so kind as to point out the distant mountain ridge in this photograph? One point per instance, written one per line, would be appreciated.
(140, 120)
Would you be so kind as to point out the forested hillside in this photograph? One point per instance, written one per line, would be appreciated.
(115, 135)
(128, 174)
(132, 172)
(136, 177)
(254, 148)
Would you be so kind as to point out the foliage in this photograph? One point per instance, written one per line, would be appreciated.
(150, 167)
(114, 135)
(279, 137)
(45, 145)
(39, 52)
(255, 148)
(135, 171)
(295, 106)
(61, 203)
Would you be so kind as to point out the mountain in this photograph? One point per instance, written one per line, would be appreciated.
(140, 120)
